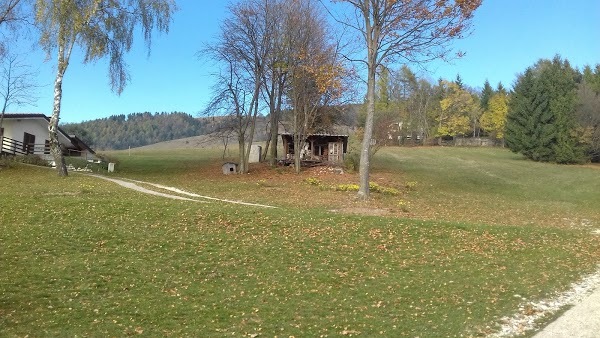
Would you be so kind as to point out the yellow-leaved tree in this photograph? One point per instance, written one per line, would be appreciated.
(456, 109)
(493, 119)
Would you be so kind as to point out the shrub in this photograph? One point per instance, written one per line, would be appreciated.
(374, 187)
(351, 161)
(410, 186)
(346, 187)
(403, 205)
(313, 181)
(30, 159)
(352, 157)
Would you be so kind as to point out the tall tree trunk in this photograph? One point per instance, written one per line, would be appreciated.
(241, 151)
(2, 125)
(298, 145)
(250, 141)
(272, 119)
(363, 171)
(253, 114)
(372, 34)
(273, 139)
(55, 148)
(275, 123)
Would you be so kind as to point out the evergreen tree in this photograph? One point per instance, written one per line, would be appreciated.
(541, 116)
(459, 82)
(500, 89)
(486, 94)
(138, 129)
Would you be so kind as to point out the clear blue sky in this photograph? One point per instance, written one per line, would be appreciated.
(508, 37)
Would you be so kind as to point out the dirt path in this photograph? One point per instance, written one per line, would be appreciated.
(131, 184)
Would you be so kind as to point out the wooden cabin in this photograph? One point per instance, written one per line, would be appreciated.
(318, 148)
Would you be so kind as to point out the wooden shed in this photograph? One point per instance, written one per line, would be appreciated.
(318, 148)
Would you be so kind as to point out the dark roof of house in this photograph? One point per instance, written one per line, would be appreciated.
(329, 135)
(25, 115)
(76, 141)
(80, 144)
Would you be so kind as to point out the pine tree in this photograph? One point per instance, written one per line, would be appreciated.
(459, 82)
(486, 94)
(541, 117)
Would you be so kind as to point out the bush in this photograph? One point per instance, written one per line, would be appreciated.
(351, 161)
(352, 157)
(346, 187)
(29, 159)
(80, 163)
(313, 181)
(374, 187)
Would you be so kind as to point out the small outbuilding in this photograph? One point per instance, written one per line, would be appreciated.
(318, 148)
(229, 168)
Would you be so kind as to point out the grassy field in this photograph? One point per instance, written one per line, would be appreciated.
(467, 231)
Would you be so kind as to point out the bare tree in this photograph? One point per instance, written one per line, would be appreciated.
(101, 28)
(12, 17)
(10, 11)
(392, 30)
(276, 74)
(242, 51)
(17, 86)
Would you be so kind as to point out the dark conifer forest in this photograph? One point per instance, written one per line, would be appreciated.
(136, 130)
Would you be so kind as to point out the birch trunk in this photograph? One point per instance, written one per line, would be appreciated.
(55, 148)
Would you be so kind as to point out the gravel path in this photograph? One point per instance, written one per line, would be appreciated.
(582, 320)
(131, 184)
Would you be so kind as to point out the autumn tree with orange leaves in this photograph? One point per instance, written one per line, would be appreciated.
(315, 69)
(402, 31)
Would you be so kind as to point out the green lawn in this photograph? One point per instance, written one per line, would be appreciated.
(85, 257)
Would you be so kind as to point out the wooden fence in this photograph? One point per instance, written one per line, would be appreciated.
(14, 147)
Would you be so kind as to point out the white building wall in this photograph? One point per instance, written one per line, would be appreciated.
(15, 129)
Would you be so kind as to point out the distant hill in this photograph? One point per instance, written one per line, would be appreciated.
(138, 129)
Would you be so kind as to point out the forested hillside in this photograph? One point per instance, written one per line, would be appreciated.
(136, 130)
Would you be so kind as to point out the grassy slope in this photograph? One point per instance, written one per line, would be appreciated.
(82, 256)
(496, 186)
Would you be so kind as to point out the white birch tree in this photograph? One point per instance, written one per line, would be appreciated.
(100, 28)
